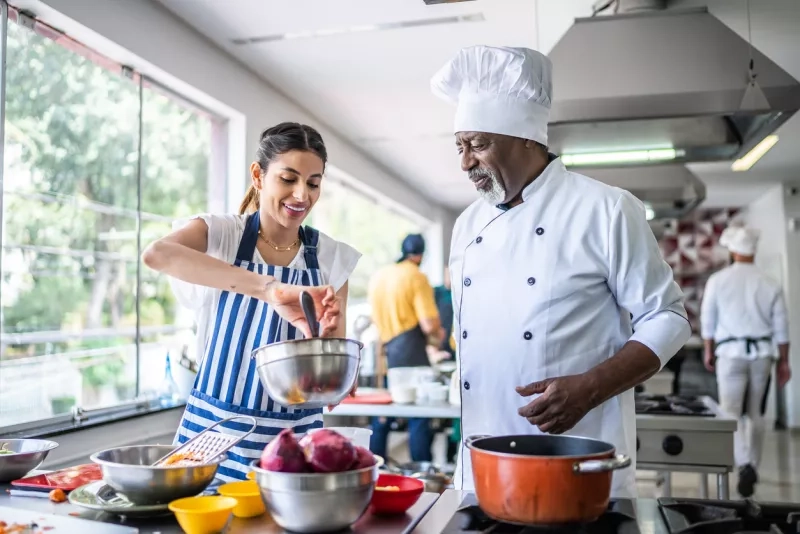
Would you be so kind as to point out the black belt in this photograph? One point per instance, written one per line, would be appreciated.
(752, 342)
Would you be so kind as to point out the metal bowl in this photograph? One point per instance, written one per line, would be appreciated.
(309, 373)
(436, 480)
(129, 472)
(28, 454)
(316, 502)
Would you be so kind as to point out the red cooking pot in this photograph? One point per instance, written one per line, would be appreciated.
(543, 479)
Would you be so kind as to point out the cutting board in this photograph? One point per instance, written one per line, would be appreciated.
(56, 524)
(369, 398)
(64, 479)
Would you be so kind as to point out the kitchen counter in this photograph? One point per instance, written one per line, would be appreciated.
(647, 512)
(167, 524)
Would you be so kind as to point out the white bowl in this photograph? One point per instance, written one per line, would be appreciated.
(438, 393)
(403, 394)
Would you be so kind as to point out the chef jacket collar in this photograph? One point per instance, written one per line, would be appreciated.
(554, 166)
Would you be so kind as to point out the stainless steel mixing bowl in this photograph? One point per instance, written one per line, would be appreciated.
(309, 373)
(316, 502)
(27, 455)
(128, 470)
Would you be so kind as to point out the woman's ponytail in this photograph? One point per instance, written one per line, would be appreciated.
(250, 201)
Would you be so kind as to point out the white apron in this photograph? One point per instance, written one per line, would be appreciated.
(547, 289)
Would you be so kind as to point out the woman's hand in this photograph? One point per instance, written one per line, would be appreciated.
(285, 299)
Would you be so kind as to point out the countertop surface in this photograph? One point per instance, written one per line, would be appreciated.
(167, 524)
(430, 515)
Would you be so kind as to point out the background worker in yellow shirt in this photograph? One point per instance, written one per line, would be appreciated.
(404, 312)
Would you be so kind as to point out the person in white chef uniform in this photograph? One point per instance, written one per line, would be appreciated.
(743, 318)
(562, 300)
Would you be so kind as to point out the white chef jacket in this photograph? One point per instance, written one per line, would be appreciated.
(547, 289)
(742, 302)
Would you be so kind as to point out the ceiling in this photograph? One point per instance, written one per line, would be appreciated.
(372, 85)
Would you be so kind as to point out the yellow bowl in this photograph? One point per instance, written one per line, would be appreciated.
(251, 475)
(203, 515)
(249, 502)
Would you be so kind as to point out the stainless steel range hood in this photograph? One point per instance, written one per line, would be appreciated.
(663, 78)
(671, 191)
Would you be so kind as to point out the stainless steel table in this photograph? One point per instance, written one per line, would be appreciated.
(167, 524)
(431, 410)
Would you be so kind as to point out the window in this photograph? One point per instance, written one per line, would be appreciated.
(365, 224)
(98, 161)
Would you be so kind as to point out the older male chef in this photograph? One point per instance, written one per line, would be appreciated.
(563, 302)
(743, 318)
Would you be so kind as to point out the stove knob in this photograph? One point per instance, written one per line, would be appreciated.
(672, 445)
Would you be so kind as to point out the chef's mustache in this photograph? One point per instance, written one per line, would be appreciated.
(479, 174)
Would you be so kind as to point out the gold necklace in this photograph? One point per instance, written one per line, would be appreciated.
(276, 247)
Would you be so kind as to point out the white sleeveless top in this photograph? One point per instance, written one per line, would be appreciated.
(337, 261)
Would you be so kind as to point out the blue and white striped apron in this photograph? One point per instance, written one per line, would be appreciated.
(227, 383)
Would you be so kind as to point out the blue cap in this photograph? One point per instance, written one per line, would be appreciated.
(413, 244)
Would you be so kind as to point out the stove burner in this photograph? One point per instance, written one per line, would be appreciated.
(670, 405)
(619, 519)
(701, 516)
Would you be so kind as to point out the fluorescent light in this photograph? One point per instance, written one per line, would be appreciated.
(326, 32)
(630, 156)
(298, 35)
(748, 160)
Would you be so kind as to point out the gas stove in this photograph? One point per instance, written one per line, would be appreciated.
(701, 516)
(620, 518)
(457, 512)
(672, 405)
(680, 433)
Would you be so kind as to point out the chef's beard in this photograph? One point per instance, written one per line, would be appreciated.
(495, 193)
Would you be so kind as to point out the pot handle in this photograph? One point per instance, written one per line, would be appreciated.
(469, 439)
(602, 466)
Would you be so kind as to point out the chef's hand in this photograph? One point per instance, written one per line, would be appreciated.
(708, 360)
(285, 299)
(784, 373)
(562, 402)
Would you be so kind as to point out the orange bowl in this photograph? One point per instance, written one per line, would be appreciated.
(388, 500)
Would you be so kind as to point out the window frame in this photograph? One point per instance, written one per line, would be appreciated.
(218, 180)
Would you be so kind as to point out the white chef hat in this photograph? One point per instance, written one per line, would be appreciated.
(740, 240)
(499, 90)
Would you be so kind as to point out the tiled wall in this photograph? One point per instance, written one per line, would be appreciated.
(691, 248)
